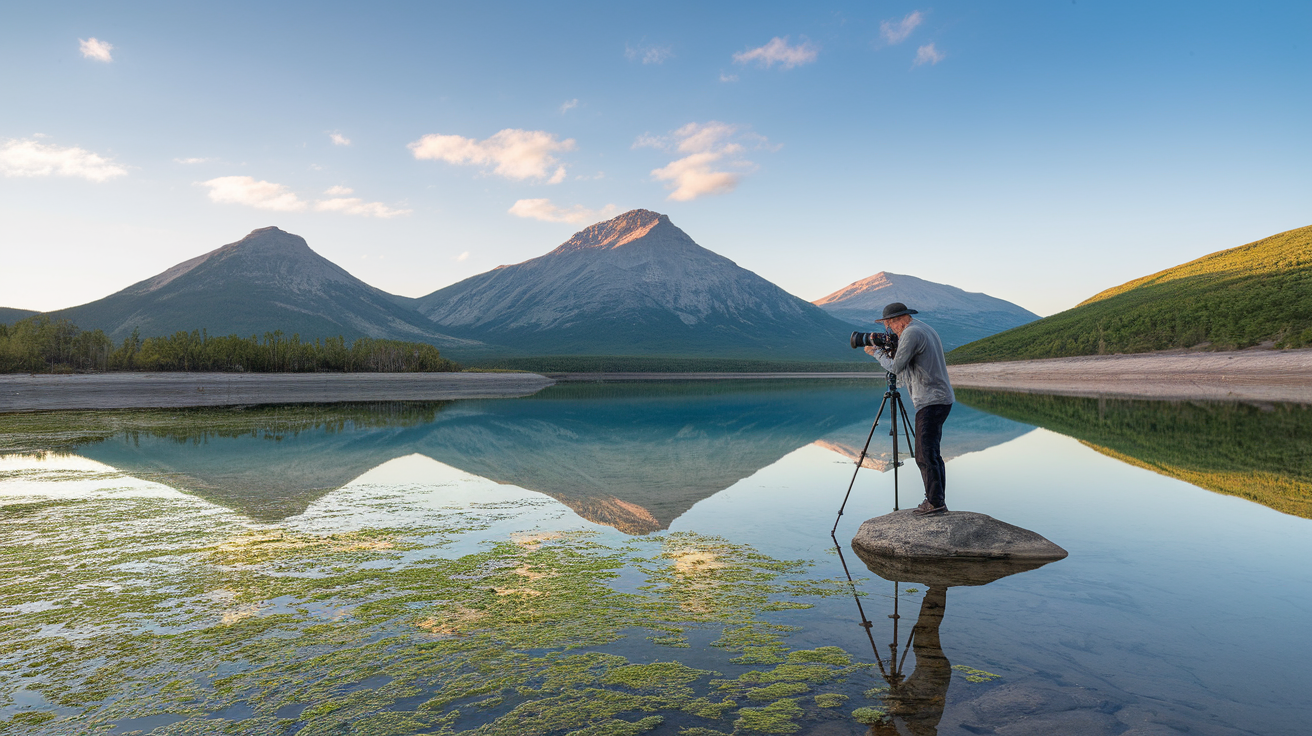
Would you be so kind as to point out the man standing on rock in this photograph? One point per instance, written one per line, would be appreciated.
(919, 362)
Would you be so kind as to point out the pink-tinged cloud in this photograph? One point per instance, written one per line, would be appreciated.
(95, 49)
(927, 54)
(543, 209)
(514, 154)
(895, 33)
(778, 52)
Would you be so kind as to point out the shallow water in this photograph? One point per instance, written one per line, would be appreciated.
(527, 565)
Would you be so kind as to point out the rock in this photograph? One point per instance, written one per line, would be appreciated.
(958, 535)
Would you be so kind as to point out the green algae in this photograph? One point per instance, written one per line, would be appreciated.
(121, 608)
(777, 690)
(777, 717)
(830, 700)
(974, 675)
(869, 716)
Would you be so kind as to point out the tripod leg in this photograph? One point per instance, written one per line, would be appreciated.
(897, 401)
(907, 424)
(861, 460)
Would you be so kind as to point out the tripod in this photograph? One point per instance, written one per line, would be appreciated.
(893, 402)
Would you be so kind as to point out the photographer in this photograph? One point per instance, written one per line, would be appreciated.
(918, 361)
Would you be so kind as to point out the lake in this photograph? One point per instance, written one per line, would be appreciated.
(649, 558)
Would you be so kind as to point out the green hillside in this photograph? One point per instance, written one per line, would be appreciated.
(1233, 299)
(10, 315)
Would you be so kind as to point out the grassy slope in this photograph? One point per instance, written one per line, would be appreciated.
(1232, 299)
(1257, 453)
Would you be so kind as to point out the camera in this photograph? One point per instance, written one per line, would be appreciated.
(885, 340)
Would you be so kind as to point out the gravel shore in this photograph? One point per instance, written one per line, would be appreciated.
(19, 393)
(1246, 375)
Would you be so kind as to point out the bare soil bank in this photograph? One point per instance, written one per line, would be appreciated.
(1246, 375)
(20, 393)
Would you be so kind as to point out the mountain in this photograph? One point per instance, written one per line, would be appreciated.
(957, 316)
(10, 315)
(1250, 295)
(269, 280)
(636, 285)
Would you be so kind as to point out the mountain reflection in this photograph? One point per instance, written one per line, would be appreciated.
(631, 456)
(1255, 451)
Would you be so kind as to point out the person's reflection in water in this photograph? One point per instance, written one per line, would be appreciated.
(914, 704)
(917, 702)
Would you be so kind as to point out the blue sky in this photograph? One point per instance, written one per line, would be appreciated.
(1037, 151)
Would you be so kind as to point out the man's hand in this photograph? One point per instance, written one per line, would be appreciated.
(873, 351)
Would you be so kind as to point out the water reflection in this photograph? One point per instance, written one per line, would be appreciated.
(914, 702)
(631, 456)
(1255, 451)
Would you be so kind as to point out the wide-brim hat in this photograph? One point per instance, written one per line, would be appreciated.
(896, 309)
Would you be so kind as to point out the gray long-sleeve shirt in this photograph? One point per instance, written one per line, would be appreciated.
(920, 364)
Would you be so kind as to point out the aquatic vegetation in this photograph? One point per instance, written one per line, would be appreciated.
(777, 717)
(974, 675)
(117, 609)
(830, 700)
(869, 716)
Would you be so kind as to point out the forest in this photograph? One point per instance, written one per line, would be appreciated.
(43, 345)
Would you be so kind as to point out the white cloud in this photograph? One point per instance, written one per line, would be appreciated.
(463, 256)
(30, 158)
(192, 160)
(898, 32)
(339, 140)
(266, 195)
(93, 48)
(728, 77)
(714, 163)
(263, 195)
(648, 54)
(543, 209)
(695, 176)
(778, 52)
(357, 206)
(927, 54)
(515, 154)
(569, 105)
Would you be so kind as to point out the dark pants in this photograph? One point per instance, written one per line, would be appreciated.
(929, 433)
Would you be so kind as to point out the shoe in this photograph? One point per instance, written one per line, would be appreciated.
(924, 509)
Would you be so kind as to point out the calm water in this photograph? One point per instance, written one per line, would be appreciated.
(648, 558)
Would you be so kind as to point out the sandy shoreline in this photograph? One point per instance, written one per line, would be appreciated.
(1250, 375)
(24, 392)
(1246, 375)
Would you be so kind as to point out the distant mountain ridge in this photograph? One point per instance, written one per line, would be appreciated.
(1236, 298)
(10, 315)
(957, 315)
(269, 280)
(635, 285)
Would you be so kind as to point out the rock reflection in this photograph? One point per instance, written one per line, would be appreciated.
(914, 703)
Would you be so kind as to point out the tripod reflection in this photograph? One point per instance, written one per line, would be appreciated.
(914, 703)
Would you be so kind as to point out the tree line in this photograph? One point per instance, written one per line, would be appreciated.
(42, 345)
